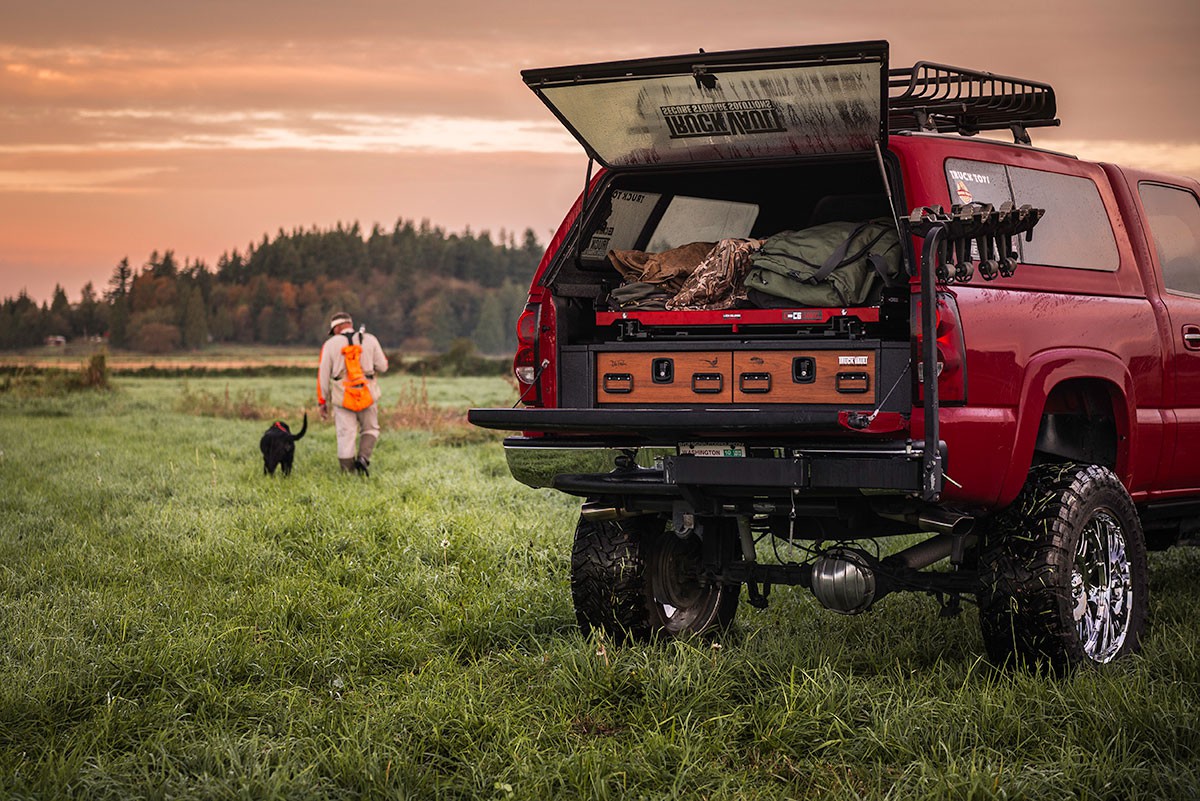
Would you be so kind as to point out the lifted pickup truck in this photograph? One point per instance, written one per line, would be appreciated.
(1058, 442)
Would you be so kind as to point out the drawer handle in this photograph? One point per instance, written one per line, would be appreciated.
(618, 383)
(707, 383)
(853, 383)
(754, 383)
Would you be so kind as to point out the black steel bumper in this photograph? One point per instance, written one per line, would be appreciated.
(588, 469)
(646, 426)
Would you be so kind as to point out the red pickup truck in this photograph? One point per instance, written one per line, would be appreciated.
(765, 444)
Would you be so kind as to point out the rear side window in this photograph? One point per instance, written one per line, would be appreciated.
(1174, 218)
(1075, 232)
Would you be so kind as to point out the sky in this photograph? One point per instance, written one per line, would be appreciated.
(131, 126)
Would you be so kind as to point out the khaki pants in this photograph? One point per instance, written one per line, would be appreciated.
(349, 424)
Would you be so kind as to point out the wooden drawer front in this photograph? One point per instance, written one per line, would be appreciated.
(820, 376)
(673, 377)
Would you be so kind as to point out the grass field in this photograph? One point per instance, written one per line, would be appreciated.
(213, 357)
(175, 625)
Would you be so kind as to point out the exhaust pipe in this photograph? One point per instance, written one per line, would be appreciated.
(943, 522)
(932, 550)
(938, 521)
(596, 511)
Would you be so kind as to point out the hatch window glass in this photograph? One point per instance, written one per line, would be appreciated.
(1174, 218)
(723, 111)
(696, 219)
(1076, 231)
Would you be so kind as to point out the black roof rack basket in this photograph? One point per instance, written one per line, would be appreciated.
(937, 97)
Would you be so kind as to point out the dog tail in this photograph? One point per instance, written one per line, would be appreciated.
(303, 429)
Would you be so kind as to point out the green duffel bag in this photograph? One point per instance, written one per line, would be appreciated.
(834, 264)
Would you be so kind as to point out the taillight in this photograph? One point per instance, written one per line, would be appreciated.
(534, 352)
(525, 362)
(951, 353)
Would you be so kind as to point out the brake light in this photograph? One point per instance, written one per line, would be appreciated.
(533, 364)
(951, 353)
(525, 362)
(527, 325)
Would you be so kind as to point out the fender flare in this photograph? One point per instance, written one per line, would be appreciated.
(1045, 371)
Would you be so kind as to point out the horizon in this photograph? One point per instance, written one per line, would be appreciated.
(135, 127)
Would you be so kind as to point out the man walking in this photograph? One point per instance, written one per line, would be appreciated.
(338, 357)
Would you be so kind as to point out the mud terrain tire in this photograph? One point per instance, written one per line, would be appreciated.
(633, 579)
(1063, 577)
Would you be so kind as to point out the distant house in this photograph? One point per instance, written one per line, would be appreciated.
(56, 341)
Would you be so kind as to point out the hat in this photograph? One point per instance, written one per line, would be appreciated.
(338, 319)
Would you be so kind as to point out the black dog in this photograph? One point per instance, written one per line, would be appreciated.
(278, 446)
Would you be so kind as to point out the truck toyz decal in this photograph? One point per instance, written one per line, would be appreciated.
(733, 118)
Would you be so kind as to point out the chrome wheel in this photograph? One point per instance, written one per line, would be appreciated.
(1102, 587)
(1063, 577)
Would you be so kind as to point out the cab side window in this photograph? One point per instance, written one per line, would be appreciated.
(1075, 232)
(1174, 218)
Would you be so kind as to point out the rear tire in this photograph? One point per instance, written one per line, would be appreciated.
(633, 579)
(607, 578)
(1063, 576)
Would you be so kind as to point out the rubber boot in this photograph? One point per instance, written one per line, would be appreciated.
(366, 446)
(347, 465)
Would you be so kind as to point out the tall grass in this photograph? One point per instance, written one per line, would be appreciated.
(91, 374)
(176, 625)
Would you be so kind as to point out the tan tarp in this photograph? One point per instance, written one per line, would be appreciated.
(669, 268)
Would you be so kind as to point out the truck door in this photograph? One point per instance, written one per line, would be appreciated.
(1173, 216)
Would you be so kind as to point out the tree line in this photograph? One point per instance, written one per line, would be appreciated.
(415, 286)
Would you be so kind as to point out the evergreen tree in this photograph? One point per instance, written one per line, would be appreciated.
(118, 322)
(57, 320)
(88, 318)
(195, 321)
(118, 285)
(489, 336)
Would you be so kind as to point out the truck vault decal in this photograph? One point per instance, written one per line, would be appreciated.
(733, 118)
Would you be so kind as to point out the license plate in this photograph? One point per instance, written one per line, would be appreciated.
(712, 449)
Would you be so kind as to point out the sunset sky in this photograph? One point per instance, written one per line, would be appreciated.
(135, 125)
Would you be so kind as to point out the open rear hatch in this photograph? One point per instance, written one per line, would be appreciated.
(654, 120)
(736, 106)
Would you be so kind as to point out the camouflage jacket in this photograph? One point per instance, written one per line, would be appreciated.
(718, 282)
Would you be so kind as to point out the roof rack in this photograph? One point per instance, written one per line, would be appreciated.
(936, 97)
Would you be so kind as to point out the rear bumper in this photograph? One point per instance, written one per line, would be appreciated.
(625, 427)
(587, 469)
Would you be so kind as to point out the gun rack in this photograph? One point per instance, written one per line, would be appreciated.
(991, 230)
(940, 98)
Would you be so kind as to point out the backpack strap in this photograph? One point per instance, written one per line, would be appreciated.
(839, 257)
(349, 335)
(880, 264)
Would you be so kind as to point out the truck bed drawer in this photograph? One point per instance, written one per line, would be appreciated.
(738, 376)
